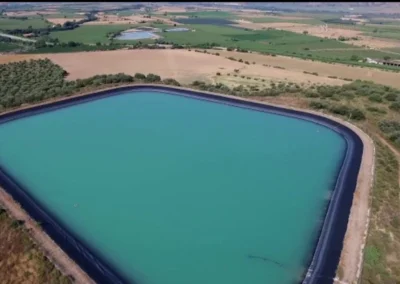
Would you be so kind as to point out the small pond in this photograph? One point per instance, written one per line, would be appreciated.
(133, 35)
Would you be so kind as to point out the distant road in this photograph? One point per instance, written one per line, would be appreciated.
(17, 37)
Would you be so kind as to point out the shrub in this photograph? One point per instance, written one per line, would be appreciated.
(218, 74)
(357, 114)
(217, 54)
(395, 106)
(318, 105)
(152, 78)
(170, 81)
(388, 126)
(140, 76)
(376, 110)
(240, 60)
(392, 97)
(375, 98)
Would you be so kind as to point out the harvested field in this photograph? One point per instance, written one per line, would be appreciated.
(323, 69)
(61, 21)
(185, 66)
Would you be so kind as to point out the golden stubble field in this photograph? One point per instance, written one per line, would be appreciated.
(187, 66)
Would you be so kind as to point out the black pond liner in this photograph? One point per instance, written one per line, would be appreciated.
(326, 253)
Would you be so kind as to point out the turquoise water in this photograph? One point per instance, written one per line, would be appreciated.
(173, 190)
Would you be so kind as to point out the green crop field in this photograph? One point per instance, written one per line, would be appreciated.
(283, 20)
(89, 33)
(8, 46)
(12, 24)
(263, 41)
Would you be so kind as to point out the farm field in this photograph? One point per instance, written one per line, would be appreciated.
(11, 24)
(187, 66)
(89, 34)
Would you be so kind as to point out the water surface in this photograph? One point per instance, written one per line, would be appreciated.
(136, 35)
(173, 190)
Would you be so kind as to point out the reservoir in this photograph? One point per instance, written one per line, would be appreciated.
(170, 189)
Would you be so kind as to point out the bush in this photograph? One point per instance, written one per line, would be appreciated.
(357, 114)
(395, 106)
(140, 76)
(375, 98)
(171, 82)
(376, 110)
(218, 74)
(392, 97)
(152, 78)
(388, 126)
(318, 105)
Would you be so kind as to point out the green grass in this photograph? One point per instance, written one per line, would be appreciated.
(89, 33)
(11, 24)
(280, 20)
(8, 46)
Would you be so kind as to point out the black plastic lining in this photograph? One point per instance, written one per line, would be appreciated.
(321, 268)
